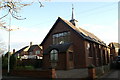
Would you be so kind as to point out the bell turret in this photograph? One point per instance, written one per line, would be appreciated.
(73, 21)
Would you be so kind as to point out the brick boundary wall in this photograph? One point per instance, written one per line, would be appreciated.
(50, 73)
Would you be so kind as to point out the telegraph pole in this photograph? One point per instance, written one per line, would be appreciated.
(9, 45)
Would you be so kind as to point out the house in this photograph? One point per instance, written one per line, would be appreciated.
(21, 52)
(70, 46)
(30, 52)
(35, 51)
(114, 49)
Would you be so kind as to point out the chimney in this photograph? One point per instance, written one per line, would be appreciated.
(30, 43)
(13, 51)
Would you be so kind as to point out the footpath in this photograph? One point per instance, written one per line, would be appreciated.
(112, 75)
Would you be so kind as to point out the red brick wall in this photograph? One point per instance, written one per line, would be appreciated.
(61, 64)
(46, 62)
(49, 73)
(69, 63)
(79, 50)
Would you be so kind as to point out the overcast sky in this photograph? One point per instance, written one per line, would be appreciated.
(99, 18)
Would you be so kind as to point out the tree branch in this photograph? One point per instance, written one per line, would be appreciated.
(13, 8)
(4, 15)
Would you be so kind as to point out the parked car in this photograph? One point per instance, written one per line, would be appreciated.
(118, 62)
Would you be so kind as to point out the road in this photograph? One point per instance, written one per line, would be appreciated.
(112, 75)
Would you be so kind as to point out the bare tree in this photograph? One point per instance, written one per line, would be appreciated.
(2, 23)
(12, 7)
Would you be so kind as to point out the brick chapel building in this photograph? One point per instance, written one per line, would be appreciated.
(72, 47)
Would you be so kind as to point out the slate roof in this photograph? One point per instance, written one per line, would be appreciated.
(60, 47)
(26, 48)
(19, 51)
(32, 48)
(85, 34)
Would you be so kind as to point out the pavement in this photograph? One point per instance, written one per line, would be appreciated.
(74, 73)
(112, 75)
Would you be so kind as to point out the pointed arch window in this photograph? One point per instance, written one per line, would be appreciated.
(54, 55)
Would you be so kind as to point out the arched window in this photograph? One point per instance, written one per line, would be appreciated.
(54, 55)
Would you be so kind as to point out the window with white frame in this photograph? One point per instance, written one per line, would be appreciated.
(54, 55)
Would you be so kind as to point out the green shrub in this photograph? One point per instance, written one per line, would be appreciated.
(19, 68)
(29, 67)
(24, 68)
(4, 62)
(12, 61)
(91, 66)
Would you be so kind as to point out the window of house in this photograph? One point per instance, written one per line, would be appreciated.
(88, 46)
(54, 55)
(30, 53)
(61, 38)
(103, 57)
(98, 52)
(37, 52)
(90, 51)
